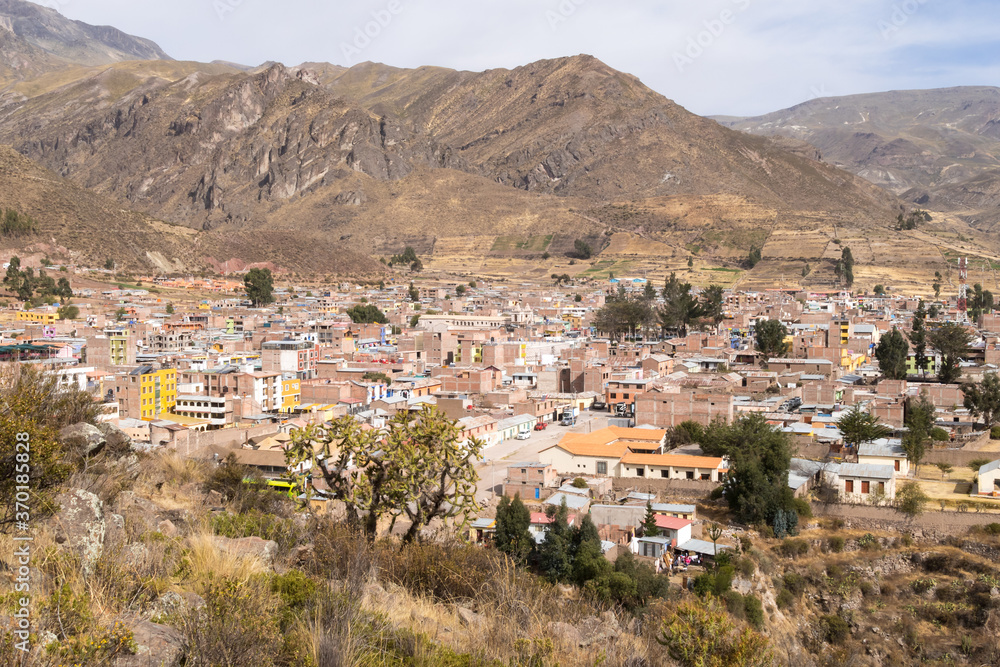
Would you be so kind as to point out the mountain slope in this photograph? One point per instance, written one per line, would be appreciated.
(73, 41)
(937, 148)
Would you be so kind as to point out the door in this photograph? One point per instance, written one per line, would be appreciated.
(537, 493)
(897, 464)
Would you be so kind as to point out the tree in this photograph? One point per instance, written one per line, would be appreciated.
(690, 262)
(753, 259)
(649, 527)
(414, 293)
(555, 558)
(408, 256)
(622, 316)
(259, 284)
(170, 309)
(417, 265)
(983, 399)
(680, 307)
(711, 300)
(68, 312)
(414, 321)
(879, 290)
(918, 339)
(859, 427)
(770, 338)
(952, 341)
(844, 269)
(648, 291)
(63, 290)
(892, 352)
(910, 498)
(704, 635)
(945, 469)
(367, 313)
(933, 311)
(583, 249)
(460, 290)
(714, 533)
(512, 536)
(914, 444)
(760, 456)
(421, 469)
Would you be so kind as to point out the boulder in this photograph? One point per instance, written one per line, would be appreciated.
(115, 439)
(469, 618)
(171, 603)
(595, 630)
(565, 634)
(249, 547)
(303, 554)
(156, 644)
(167, 527)
(80, 525)
(86, 439)
(742, 586)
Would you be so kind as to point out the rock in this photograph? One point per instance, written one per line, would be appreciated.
(116, 530)
(171, 603)
(375, 592)
(303, 554)
(167, 527)
(248, 547)
(128, 466)
(742, 586)
(156, 644)
(116, 440)
(469, 618)
(594, 630)
(213, 499)
(80, 525)
(84, 438)
(565, 633)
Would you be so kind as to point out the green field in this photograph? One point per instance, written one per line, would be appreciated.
(514, 243)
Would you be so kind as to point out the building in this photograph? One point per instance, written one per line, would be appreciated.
(672, 466)
(533, 481)
(290, 356)
(861, 482)
(600, 453)
(218, 411)
(145, 393)
(885, 452)
(988, 479)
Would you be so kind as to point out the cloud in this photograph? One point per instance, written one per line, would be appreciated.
(749, 56)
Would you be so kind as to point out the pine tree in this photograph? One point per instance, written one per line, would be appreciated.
(649, 528)
(918, 339)
(512, 536)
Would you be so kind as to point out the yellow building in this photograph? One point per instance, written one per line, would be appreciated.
(118, 344)
(291, 394)
(38, 316)
(157, 393)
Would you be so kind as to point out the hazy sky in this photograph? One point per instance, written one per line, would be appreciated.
(738, 57)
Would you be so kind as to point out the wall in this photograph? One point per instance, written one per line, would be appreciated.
(673, 488)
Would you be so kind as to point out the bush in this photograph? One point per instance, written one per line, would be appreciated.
(794, 583)
(735, 604)
(286, 532)
(723, 580)
(938, 434)
(976, 464)
(995, 433)
(793, 548)
(784, 599)
(868, 542)
(704, 584)
(992, 529)
(802, 508)
(835, 544)
(580, 483)
(745, 567)
(716, 493)
(835, 629)
(754, 611)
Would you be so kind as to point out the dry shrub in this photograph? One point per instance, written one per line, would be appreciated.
(237, 626)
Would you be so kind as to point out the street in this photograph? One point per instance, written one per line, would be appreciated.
(492, 468)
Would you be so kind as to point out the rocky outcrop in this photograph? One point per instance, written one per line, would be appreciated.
(156, 645)
(84, 439)
(80, 525)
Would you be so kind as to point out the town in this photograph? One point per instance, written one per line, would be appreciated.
(671, 424)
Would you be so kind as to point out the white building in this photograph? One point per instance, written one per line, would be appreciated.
(863, 482)
(885, 452)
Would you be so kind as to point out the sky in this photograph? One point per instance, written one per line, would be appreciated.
(731, 57)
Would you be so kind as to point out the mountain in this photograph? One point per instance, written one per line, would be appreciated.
(321, 166)
(939, 149)
(80, 226)
(73, 41)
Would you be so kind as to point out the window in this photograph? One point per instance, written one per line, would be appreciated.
(865, 486)
(881, 488)
(614, 395)
(665, 473)
(896, 462)
(640, 472)
(690, 474)
(706, 477)
(849, 486)
(602, 467)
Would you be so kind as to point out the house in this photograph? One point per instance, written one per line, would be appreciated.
(885, 452)
(676, 511)
(988, 479)
(672, 466)
(483, 530)
(533, 481)
(678, 531)
(863, 482)
(650, 547)
(600, 452)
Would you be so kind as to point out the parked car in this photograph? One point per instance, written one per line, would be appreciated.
(540, 426)
(524, 435)
(598, 405)
(568, 422)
